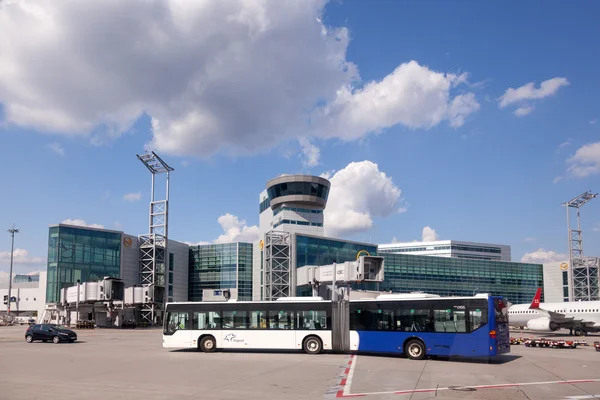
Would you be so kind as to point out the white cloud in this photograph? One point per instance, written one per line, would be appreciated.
(585, 161)
(255, 74)
(234, 230)
(20, 256)
(524, 110)
(80, 222)
(529, 239)
(557, 179)
(57, 148)
(530, 92)
(429, 235)
(412, 95)
(132, 196)
(358, 193)
(394, 240)
(310, 153)
(541, 256)
(593, 122)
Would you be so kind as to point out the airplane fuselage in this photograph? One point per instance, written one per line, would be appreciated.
(560, 315)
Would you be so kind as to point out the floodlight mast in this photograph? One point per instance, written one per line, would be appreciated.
(153, 246)
(12, 232)
(582, 275)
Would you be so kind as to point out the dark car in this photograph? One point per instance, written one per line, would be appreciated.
(45, 332)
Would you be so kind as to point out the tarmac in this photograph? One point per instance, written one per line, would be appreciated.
(132, 364)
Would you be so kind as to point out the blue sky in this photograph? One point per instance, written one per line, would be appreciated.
(74, 115)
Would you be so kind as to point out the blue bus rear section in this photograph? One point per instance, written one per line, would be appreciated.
(490, 339)
(474, 344)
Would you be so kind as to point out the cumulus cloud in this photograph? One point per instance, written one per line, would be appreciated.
(255, 74)
(585, 161)
(412, 95)
(234, 230)
(429, 235)
(529, 92)
(310, 153)
(80, 222)
(541, 256)
(358, 193)
(132, 196)
(20, 256)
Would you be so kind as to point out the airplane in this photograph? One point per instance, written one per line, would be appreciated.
(580, 317)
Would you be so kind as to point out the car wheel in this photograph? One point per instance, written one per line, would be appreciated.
(312, 345)
(29, 339)
(415, 350)
(208, 344)
(55, 339)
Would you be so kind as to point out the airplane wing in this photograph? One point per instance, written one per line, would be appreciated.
(567, 322)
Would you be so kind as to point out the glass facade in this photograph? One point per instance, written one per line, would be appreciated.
(298, 188)
(516, 281)
(26, 278)
(80, 254)
(323, 251)
(220, 266)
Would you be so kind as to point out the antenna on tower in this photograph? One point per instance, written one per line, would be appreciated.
(583, 271)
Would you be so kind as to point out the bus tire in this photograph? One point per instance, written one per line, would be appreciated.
(312, 345)
(208, 344)
(415, 349)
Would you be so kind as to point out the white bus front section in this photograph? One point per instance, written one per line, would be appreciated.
(248, 339)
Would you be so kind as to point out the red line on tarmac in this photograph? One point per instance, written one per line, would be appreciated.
(498, 386)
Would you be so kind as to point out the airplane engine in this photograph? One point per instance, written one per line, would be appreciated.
(541, 324)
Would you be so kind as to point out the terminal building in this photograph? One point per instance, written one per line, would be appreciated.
(82, 254)
(291, 236)
(450, 248)
(28, 294)
(220, 266)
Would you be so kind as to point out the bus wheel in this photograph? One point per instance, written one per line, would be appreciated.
(415, 350)
(208, 344)
(312, 345)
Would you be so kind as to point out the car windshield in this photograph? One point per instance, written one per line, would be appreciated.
(58, 327)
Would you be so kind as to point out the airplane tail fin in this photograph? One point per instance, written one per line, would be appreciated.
(536, 299)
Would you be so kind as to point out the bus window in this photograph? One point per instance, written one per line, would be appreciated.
(281, 320)
(311, 320)
(258, 320)
(478, 317)
(205, 320)
(234, 319)
(449, 320)
(416, 320)
(175, 321)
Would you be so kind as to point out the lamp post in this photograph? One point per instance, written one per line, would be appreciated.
(12, 232)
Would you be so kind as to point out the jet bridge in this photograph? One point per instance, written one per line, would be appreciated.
(364, 269)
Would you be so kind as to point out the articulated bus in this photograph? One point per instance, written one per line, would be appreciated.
(416, 325)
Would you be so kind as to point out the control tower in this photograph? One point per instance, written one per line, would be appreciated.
(294, 204)
(289, 205)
